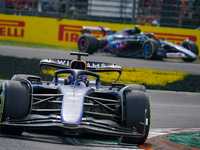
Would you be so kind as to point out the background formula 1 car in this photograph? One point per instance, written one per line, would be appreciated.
(132, 43)
(75, 102)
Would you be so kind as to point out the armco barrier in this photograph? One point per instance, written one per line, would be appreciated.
(65, 32)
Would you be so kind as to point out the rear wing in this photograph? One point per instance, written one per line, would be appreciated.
(91, 66)
(90, 29)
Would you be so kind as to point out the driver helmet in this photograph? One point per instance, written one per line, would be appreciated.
(81, 78)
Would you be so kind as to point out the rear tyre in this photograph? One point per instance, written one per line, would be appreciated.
(15, 104)
(150, 49)
(88, 43)
(191, 46)
(136, 102)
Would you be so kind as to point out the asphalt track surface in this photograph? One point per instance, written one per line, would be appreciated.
(167, 65)
(168, 109)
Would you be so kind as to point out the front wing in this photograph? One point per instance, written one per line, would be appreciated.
(87, 125)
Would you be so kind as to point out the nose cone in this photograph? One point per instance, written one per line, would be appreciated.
(73, 104)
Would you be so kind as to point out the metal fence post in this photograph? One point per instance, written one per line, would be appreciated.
(67, 6)
(4, 6)
(133, 13)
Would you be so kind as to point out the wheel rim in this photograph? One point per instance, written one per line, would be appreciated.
(147, 49)
(82, 44)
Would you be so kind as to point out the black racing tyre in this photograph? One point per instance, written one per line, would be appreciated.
(31, 78)
(136, 87)
(136, 102)
(15, 104)
(88, 43)
(191, 46)
(150, 49)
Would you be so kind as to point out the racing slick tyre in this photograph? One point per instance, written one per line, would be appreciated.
(150, 49)
(136, 103)
(136, 87)
(88, 43)
(191, 46)
(15, 104)
(31, 78)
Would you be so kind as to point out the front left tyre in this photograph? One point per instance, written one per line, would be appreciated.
(15, 104)
(136, 116)
(150, 49)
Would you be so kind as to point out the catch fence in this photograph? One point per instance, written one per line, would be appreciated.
(168, 13)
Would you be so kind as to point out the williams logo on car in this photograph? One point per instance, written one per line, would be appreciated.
(89, 64)
(63, 62)
(12, 28)
(96, 65)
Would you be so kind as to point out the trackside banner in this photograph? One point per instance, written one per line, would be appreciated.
(65, 32)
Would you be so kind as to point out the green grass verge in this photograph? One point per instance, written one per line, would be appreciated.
(34, 45)
(190, 139)
(152, 79)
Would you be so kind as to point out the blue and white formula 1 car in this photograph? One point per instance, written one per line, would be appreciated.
(75, 102)
(133, 43)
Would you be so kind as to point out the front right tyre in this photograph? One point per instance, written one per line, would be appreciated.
(15, 104)
(190, 45)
